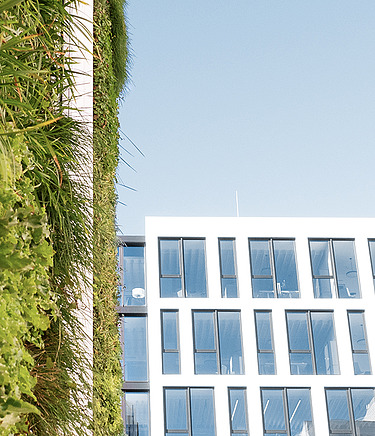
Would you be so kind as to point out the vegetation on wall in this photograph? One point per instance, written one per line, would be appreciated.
(110, 62)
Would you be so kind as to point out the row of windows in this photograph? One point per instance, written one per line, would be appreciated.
(286, 411)
(217, 339)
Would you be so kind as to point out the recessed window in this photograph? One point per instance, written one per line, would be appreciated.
(182, 268)
(228, 268)
(371, 244)
(170, 342)
(135, 348)
(312, 343)
(137, 421)
(287, 412)
(133, 272)
(334, 268)
(351, 411)
(217, 342)
(273, 268)
(361, 360)
(266, 357)
(238, 411)
(189, 411)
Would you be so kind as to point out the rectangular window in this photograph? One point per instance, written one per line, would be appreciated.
(361, 360)
(135, 348)
(170, 342)
(287, 412)
(228, 268)
(182, 268)
(217, 342)
(189, 411)
(273, 268)
(137, 421)
(334, 268)
(351, 411)
(238, 411)
(266, 357)
(133, 273)
(312, 343)
(371, 244)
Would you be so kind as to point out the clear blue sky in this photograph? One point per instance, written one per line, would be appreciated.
(272, 98)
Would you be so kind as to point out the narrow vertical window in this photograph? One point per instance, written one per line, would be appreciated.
(238, 411)
(266, 357)
(170, 342)
(182, 268)
(228, 269)
(334, 268)
(312, 343)
(350, 411)
(361, 360)
(189, 411)
(133, 287)
(273, 268)
(135, 348)
(217, 342)
(287, 412)
(137, 421)
(371, 244)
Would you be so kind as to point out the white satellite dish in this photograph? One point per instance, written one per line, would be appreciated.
(138, 293)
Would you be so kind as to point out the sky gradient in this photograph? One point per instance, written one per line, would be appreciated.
(274, 99)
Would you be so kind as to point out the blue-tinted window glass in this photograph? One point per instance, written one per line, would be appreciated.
(286, 270)
(227, 262)
(266, 360)
(230, 343)
(338, 410)
(171, 287)
(263, 288)
(238, 411)
(273, 410)
(298, 331)
(299, 410)
(137, 414)
(372, 257)
(204, 340)
(325, 347)
(363, 409)
(323, 288)
(346, 269)
(171, 361)
(135, 348)
(260, 258)
(266, 363)
(301, 364)
(176, 409)
(134, 278)
(169, 257)
(357, 329)
(321, 258)
(229, 288)
(195, 268)
(202, 412)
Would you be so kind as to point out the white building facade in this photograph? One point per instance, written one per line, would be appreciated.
(249, 326)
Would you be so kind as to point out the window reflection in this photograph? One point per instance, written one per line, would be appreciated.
(228, 268)
(170, 342)
(135, 348)
(137, 414)
(361, 360)
(133, 287)
(238, 411)
(266, 360)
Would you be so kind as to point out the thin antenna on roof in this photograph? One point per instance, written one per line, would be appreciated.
(237, 208)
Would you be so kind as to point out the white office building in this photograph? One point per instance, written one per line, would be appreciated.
(249, 326)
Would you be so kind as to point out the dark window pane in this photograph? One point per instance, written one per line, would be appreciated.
(298, 331)
(320, 258)
(273, 410)
(301, 364)
(229, 288)
(137, 414)
(325, 347)
(171, 287)
(230, 343)
(363, 405)
(260, 258)
(171, 363)
(238, 409)
(204, 330)
(205, 363)
(263, 288)
(194, 268)
(202, 412)
(361, 363)
(134, 278)
(357, 331)
(227, 257)
(263, 330)
(169, 257)
(135, 348)
(286, 270)
(170, 328)
(299, 409)
(346, 269)
(338, 410)
(266, 363)
(176, 409)
(323, 288)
